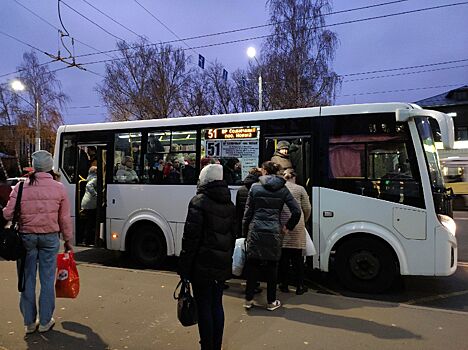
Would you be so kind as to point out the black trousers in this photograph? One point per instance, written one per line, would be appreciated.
(291, 256)
(208, 295)
(89, 226)
(268, 270)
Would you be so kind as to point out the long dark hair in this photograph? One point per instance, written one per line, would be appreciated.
(33, 179)
(271, 168)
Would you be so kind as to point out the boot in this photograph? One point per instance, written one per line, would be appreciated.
(284, 288)
(301, 290)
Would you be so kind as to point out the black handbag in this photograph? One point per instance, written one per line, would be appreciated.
(11, 244)
(187, 312)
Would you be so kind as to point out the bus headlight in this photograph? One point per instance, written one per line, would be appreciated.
(448, 223)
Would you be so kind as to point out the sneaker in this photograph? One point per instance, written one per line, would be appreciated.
(47, 327)
(284, 288)
(248, 304)
(31, 328)
(301, 290)
(274, 305)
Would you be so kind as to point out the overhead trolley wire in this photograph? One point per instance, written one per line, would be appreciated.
(268, 35)
(24, 43)
(163, 24)
(56, 28)
(402, 90)
(90, 20)
(406, 73)
(256, 27)
(112, 19)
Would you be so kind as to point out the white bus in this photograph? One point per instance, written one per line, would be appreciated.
(380, 208)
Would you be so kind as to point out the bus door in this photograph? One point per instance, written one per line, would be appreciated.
(91, 195)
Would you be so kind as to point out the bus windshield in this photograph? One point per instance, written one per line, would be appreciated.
(427, 139)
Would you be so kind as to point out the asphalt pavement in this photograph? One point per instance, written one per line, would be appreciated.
(120, 308)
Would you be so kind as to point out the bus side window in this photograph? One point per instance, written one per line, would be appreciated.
(170, 157)
(127, 158)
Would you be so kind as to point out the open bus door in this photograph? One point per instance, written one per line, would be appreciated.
(91, 213)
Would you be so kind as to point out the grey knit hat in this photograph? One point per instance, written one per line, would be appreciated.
(283, 145)
(42, 161)
(211, 172)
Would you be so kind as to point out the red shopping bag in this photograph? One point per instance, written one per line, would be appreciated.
(67, 283)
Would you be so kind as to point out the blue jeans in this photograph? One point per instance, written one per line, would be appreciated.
(41, 249)
(209, 298)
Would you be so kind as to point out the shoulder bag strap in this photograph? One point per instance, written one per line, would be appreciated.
(17, 212)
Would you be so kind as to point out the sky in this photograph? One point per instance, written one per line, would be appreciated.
(423, 39)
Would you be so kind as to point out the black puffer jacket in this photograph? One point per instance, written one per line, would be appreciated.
(241, 199)
(209, 234)
(262, 217)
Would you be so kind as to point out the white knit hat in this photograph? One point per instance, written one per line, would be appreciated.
(211, 172)
(42, 161)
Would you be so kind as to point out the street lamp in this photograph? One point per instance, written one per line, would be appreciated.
(252, 53)
(17, 85)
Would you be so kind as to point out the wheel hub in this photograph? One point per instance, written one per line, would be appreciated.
(364, 265)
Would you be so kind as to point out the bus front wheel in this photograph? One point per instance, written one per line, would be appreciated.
(148, 246)
(366, 265)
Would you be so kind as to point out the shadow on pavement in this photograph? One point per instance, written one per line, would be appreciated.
(83, 337)
(352, 324)
(114, 258)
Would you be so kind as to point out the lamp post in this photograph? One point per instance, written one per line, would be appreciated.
(252, 53)
(17, 85)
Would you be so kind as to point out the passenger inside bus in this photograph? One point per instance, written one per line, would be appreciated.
(88, 208)
(189, 172)
(126, 174)
(281, 155)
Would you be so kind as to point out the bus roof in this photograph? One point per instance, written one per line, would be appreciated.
(239, 117)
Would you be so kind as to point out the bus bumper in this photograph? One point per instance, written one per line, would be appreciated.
(446, 253)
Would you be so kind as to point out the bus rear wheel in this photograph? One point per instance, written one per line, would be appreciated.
(366, 265)
(148, 246)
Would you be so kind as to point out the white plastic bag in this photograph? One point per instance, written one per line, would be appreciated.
(310, 248)
(238, 257)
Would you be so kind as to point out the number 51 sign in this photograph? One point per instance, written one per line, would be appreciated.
(213, 148)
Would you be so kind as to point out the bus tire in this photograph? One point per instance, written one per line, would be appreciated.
(148, 246)
(366, 265)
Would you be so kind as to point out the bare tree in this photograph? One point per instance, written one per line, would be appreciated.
(146, 82)
(198, 96)
(244, 91)
(296, 60)
(220, 89)
(42, 89)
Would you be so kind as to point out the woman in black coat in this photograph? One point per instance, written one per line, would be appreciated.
(207, 247)
(264, 232)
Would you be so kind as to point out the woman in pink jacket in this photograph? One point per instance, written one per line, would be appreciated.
(45, 212)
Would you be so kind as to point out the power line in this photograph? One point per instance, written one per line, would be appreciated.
(113, 20)
(89, 20)
(25, 43)
(402, 68)
(55, 27)
(407, 73)
(271, 35)
(402, 90)
(263, 25)
(162, 23)
(55, 58)
(21, 70)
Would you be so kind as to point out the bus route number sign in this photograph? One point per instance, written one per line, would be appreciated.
(213, 148)
(231, 133)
